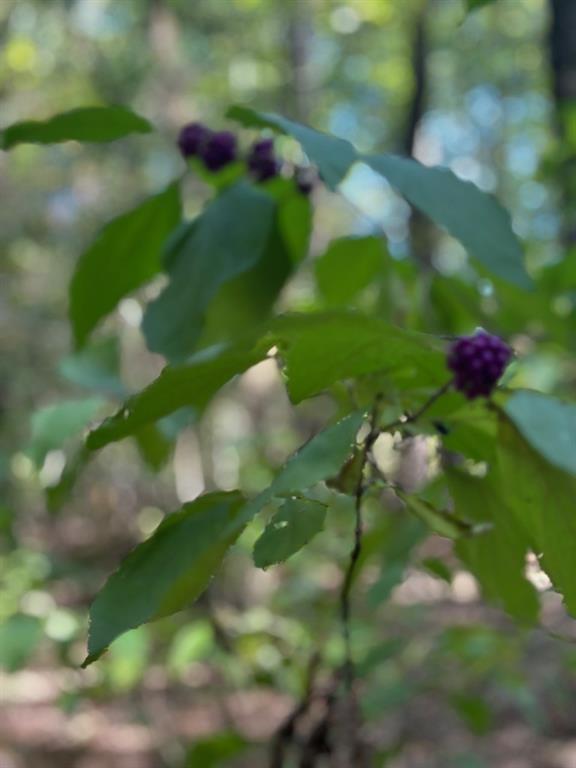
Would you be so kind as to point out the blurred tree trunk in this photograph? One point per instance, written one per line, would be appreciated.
(421, 232)
(562, 53)
(297, 23)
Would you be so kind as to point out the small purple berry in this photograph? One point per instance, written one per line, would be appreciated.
(478, 362)
(192, 138)
(262, 161)
(219, 150)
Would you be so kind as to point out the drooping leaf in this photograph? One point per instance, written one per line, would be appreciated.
(295, 215)
(58, 493)
(246, 301)
(317, 460)
(165, 573)
(441, 521)
(19, 636)
(548, 424)
(470, 215)
(89, 124)
(154, 446)
(321, 349)
(497, 557)
(96, 367)
(125, 255)
(229, 239)
(333, 156)
(347, 267)
(53, 425)
(541, 499)
(296, 522)
(192, 384)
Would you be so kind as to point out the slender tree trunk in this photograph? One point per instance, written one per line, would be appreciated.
(298, 27)
(562, 52)
(421, 232)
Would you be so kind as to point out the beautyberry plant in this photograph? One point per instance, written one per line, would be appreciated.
(383, 362)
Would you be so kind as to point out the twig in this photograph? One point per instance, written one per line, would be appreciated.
(345, 608)
(285, 733)
(410, 418)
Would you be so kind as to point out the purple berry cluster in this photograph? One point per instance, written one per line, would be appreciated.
(262, 162)
(217, 149)
(478, 362)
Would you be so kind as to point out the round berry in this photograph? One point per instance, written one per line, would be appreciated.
(262, 161)
(192, 138)
(219, 150)
(478, 362)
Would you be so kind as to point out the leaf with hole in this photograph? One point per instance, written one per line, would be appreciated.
(296, 522)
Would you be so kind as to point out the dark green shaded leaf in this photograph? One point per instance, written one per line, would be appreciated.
(165, 573)
(125, 255)
(347, 267)
(296, 522)
(90, 124)
(474, 217)
(295, 224)
(497, 557)
(192, 384)
(53, 425)
(19, 636)
(216, 750)
(321, 349)
(474, 711)
(154, 446)
(548, 424)
(246, 301)
(438, 568)
(332, 156)
(227, 240)
(541, 498)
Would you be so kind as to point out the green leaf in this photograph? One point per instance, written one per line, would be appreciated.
(441, 521)
(246, 301)
(57, 494)
(154, 447)
(19, 636)
(192, 384)
(216, 751)
(497, 557)
(548, 424)
(53, 425)
(541, 499)
(89, 124)
(473, 217)
(296, 522)
(317, 460)
(474, 4)
(295, 216)
(347, 267)
(474, 711)
(165, 573)
(228, 239)
(96, 367)
(332, 156)
(320, 349)
(125, 255)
